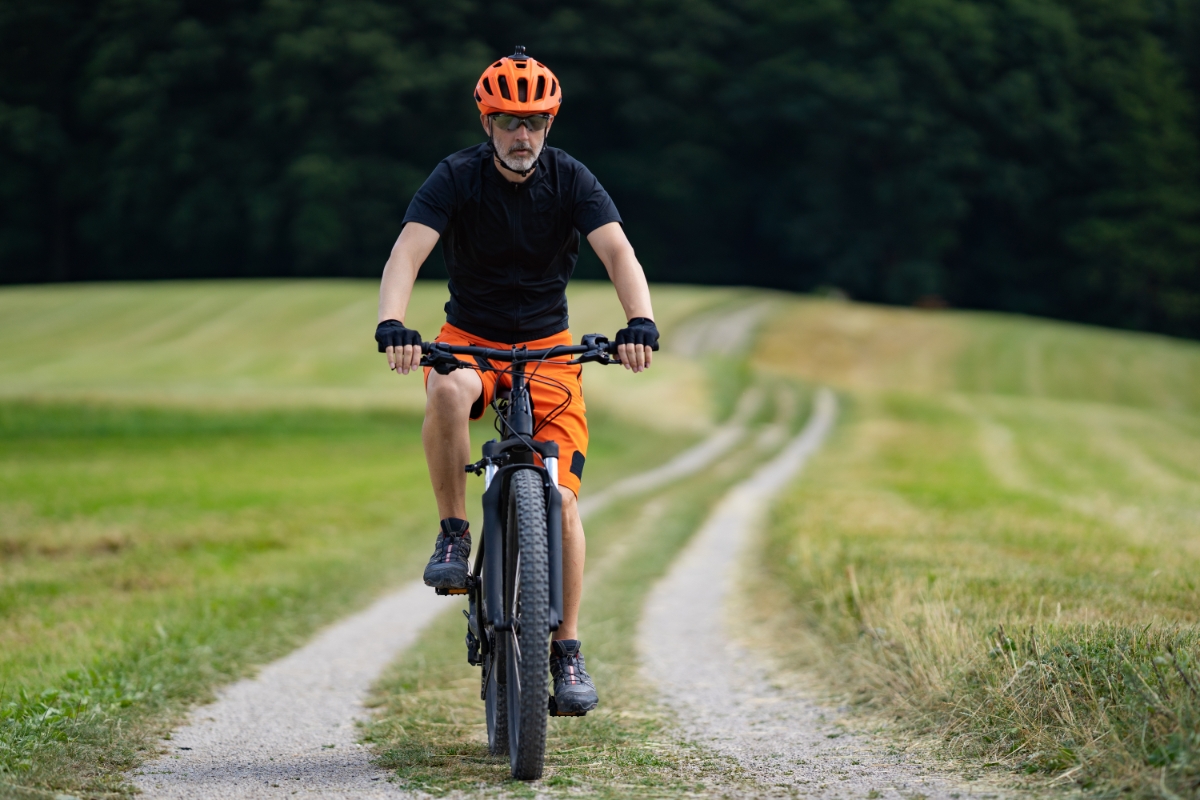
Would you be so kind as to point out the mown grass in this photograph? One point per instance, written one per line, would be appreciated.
(149, 554)
(289, 343)
(1000, 545)
(227, 467)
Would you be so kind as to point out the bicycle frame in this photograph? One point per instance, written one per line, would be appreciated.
(502, 458)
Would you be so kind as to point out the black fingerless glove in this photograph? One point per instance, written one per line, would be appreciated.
(641, 331)
(392, 333)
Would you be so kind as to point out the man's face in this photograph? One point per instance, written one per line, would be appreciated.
(519, 148)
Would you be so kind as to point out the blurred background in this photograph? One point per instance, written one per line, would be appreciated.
(1036, 156)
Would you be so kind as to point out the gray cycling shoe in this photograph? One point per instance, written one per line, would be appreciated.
(449, 565)
(574, 692)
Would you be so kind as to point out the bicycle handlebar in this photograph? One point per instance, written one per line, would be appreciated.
(594, 348)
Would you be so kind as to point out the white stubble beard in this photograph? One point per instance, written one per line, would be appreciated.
(523, 163)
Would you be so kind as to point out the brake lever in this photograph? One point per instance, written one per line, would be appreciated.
(600, 350)
(442, 362)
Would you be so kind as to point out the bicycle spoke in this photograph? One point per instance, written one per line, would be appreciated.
(516, 673)
(516, 595)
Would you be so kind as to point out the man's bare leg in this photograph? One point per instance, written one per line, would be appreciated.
(574, 690)
(574, 551)
(447, 437)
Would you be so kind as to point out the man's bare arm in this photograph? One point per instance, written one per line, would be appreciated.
(615, 251)
(409, 252)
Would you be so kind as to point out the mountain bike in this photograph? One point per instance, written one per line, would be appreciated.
(514, 592)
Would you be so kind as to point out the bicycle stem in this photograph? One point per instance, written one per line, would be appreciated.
(520, 415)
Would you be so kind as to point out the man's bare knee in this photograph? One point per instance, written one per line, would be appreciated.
(451, 395)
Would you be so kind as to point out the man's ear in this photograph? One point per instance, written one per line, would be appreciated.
(550, 123)
(486, 122)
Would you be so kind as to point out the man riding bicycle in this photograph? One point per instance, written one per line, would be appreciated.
(510, 213)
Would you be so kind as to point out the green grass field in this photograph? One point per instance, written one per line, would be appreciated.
(998, 548)
(221, 469)
(1001, 545)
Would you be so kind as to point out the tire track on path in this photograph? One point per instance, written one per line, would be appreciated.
(292, 730)
(721, 694)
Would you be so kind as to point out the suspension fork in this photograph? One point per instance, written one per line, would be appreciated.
(492, 547)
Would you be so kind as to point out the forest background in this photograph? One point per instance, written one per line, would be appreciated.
(1037, 156)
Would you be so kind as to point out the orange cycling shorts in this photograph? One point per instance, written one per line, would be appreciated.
(557, 416)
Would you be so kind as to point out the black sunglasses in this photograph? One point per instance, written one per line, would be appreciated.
(510, 122)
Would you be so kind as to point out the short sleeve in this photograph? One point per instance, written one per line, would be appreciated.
(593, 208)
(436, 201)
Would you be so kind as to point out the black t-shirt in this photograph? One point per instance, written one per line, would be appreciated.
(510, 247)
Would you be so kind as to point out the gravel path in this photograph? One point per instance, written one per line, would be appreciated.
(689, 462)
(291, 730)
(723, 332)
(724, 700)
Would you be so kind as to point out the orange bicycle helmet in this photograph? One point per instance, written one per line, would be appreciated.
(518, 84)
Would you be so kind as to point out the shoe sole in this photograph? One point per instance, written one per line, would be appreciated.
(555, 711)
(454, 581)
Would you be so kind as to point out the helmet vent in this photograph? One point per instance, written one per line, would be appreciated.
(502, 80)
(498, 64)
(553, 87)
(540, 91)
(522, 90)
(487, 87)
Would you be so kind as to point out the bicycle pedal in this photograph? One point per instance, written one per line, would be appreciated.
(444, 592)
(554, 712)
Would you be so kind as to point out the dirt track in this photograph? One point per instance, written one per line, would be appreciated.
(785, 742)
(292, 729)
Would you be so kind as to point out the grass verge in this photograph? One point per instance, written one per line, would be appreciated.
(1013, 572)
(149, 555)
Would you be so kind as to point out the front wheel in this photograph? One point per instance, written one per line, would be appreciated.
(526, 650)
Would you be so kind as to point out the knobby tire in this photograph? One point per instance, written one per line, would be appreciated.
(526, 650)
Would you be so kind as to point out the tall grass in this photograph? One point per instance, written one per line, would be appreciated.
(1003, 550)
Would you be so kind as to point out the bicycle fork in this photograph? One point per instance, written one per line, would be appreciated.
(492, 548)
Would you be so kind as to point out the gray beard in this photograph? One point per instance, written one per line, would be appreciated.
(517, 163)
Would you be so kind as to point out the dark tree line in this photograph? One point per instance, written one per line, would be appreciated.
(1028, 155)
